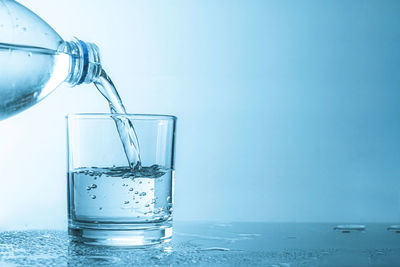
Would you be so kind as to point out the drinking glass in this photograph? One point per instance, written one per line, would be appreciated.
(109, 201)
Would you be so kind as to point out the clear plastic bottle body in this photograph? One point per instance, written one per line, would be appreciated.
(34, 59)
(27, 76)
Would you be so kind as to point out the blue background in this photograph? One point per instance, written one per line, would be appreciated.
(288, 110)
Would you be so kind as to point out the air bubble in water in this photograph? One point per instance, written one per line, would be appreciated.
(136, 202)
(147, 205)
(142, 194)
(93, 186)
(136, 192)
(93, 196)
(126, 202)
(131, 189)
(88, 188)
(29, 54)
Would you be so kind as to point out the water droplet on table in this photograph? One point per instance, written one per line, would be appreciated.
(347, 228)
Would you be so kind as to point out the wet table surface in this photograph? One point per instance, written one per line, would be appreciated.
(216, 244)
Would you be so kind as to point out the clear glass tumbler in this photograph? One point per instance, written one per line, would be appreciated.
(110, 203)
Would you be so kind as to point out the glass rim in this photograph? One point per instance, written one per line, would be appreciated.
(110, 115)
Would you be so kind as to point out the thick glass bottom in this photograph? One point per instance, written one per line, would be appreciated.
(122, 235)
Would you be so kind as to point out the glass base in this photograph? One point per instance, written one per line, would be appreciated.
(126, 235)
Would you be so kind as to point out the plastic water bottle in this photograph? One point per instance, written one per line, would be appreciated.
(34, 59)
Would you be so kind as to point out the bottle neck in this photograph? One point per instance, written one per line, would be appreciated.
(85, 65)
